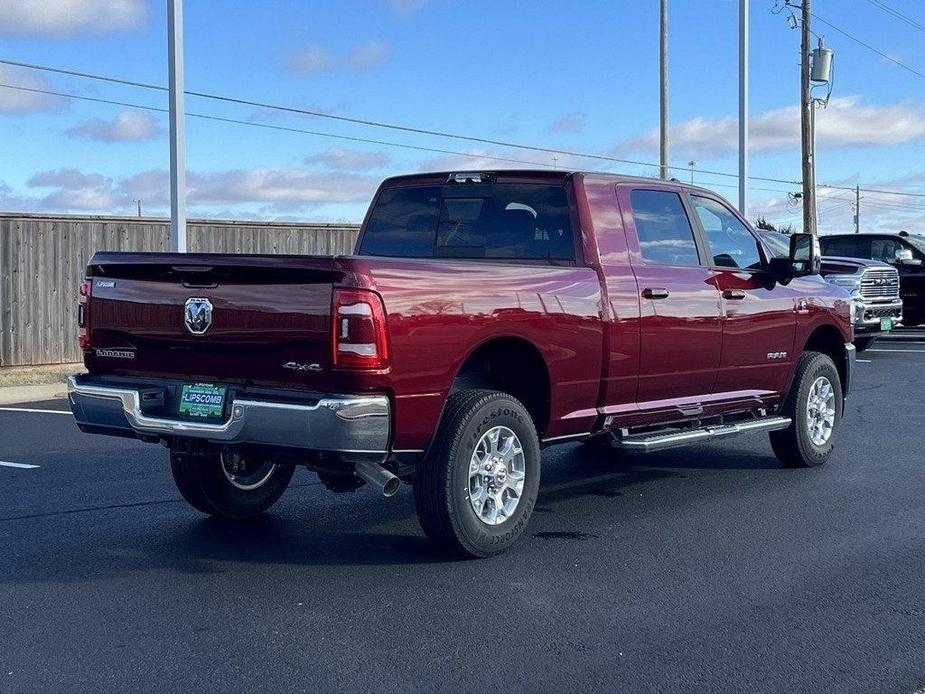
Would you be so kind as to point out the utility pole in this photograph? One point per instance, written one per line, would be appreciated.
(663, 91)
(692, 164)
(857, 209)
(807, 133)
(137, 201)
(743, 108)
(177, 129)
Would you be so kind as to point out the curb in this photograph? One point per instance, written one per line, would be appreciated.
(11, 395)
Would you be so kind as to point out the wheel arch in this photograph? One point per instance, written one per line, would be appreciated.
(513, 365)
(829, 340)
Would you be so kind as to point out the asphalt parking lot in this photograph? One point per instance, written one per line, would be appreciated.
(699, 569)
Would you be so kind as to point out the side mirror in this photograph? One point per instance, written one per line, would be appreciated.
(904, 257)
(805, 255)
(805, 258)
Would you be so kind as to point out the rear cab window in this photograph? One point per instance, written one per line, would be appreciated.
(475, 220)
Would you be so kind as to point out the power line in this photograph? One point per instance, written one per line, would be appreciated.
(269, 126)
(361, 121)
(870, 48)
(897, 14)
(373, 123)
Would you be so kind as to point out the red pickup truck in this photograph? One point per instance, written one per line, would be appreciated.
(482, 317)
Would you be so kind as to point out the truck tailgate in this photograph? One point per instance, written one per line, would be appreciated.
(269, 322)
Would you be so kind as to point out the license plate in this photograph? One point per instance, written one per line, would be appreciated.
(202, 400)
(886, 324)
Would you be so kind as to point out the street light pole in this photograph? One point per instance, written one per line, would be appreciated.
(857, 209)
(177, 129)
(663, 89)
(807, 134)
(743, 108)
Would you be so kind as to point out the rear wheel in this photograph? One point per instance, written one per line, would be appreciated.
(862, 343)
(229, 484)
(476, 489)
(814, 406)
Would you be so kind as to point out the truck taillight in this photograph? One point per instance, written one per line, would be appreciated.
(359, 336)
(83, 314)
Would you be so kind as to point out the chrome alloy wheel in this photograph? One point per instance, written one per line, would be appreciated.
(820, 411)
(246, 474)
(496, 475)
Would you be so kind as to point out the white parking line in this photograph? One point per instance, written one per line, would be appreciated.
(865, 361)
(904, 341)
(21, 466)
(33, 409)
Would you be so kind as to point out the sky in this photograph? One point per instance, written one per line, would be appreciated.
(576, 76)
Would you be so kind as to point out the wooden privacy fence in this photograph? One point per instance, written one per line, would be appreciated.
(43, 259)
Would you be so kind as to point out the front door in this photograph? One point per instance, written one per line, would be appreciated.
(680, 308)
(759, 319)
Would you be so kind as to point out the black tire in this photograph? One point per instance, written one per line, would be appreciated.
(863, 343)
(441, 480)
(793, 446)
(202, 481)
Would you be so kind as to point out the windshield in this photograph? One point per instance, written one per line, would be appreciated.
(778, 244)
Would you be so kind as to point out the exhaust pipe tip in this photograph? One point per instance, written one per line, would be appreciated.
(377, 475)
(390, 488)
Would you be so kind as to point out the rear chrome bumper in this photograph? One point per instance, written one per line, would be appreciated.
(343, 423)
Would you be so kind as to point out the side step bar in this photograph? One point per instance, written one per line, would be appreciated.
(659, 441)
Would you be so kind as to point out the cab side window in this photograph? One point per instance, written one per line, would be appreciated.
(846, 246)
(731, 243)
(884, 249)
(665, 233)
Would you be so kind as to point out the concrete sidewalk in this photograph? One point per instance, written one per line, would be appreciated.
(35, 383)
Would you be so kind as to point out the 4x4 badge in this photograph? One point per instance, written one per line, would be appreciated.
(198, 315)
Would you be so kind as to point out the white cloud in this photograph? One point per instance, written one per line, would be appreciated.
(284, 189)
(349, 159)
(477, 159)
(58, 18)
(315, 58)
(74, 190)
(20, 101)
(368, 55)
(310, 60)
(128, 126)
(406, 8)
(569, 123)
(847, 122)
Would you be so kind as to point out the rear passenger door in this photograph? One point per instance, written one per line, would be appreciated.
(681, 329)
(759, 320)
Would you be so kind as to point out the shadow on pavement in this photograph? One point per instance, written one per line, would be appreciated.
(346, 530)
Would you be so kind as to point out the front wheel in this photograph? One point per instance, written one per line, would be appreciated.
(814, 406)
(229, 484)
(476, 489)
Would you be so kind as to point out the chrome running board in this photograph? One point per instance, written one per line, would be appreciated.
(659, 441)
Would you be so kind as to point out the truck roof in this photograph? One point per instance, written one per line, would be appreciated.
(533, 175)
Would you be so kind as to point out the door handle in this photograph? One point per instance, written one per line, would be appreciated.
(733, 294)
(655, 293)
